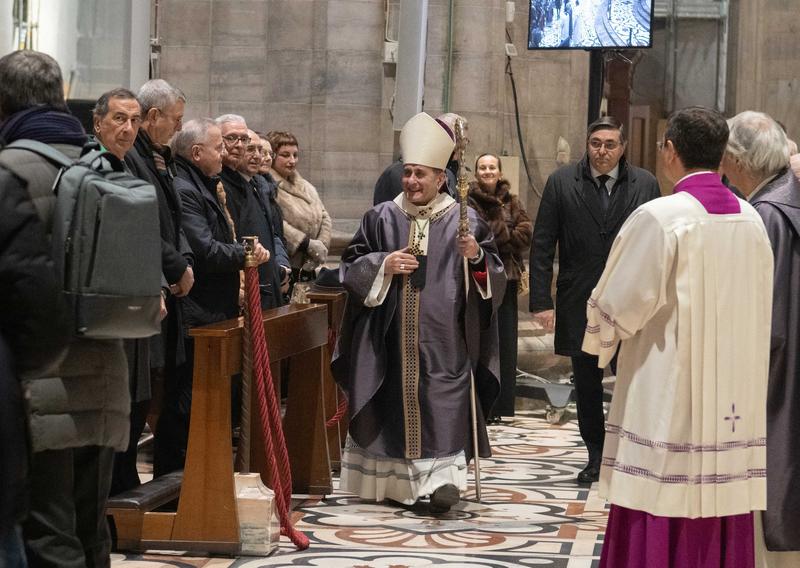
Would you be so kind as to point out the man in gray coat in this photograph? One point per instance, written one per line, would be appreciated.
(78, 413)
(757, 162)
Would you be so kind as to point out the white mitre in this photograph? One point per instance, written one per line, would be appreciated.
(424, 142)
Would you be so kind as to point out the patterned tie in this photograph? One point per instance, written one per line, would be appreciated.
(603, 192)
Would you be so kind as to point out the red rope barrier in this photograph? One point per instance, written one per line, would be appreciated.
(341, 407)
(270, 413)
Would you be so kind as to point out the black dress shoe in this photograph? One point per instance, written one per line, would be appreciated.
(590, 473)
(443, 498)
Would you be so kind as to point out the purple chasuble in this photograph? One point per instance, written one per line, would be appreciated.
(712, 194)
(638, 539)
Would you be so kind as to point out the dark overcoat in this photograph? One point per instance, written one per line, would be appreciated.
(778, 203)
(218, 259)
(571, 218)
(176, 254)
(253, 217)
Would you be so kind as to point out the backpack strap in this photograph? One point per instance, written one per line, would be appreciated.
(102, 159)
(44, 150)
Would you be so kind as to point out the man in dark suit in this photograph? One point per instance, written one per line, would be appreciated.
(583, 207)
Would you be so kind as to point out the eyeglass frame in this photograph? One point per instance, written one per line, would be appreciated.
(232, 139)
(609, 145)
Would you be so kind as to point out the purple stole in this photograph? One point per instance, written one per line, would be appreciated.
(711, 193)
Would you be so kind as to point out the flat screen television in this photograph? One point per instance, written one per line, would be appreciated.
(590, 24)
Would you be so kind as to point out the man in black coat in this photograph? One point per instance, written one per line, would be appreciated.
(583, 207)
(150, 159)
(218, 258)
(250, 214)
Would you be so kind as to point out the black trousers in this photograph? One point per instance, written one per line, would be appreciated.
(507, 321)
(126, 474)
(172, 431)
(589, 400)
(67, 527)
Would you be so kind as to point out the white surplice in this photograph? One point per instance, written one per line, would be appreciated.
(688, 294)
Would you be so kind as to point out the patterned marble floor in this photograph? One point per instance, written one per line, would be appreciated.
(532, 514)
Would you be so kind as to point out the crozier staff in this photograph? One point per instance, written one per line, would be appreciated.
(404, 355)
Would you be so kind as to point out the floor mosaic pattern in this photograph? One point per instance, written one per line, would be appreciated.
(532, 514)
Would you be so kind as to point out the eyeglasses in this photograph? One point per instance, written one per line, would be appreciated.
(233, 139)
(660, 145)
(609, 144)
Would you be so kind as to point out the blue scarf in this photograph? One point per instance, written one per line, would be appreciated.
(44, 124)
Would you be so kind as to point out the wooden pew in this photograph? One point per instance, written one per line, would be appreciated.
(207, 519)
(335, 301)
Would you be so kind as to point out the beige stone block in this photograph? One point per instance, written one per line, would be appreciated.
(186, 22)
(435, 71)
(387, 133)
(289, 76)
(484, 134)
(349, 179)
(253, 113)
(545, 93)
(351, 78)
(436, 40)
(238, 74)
(541, 136)
(475, 31)
(188, 68)
(319, 25)
(356, 25)
(474, 91)
(345, 128)
(242, 23)
(294, 118)
(196, 109)
(290, 23)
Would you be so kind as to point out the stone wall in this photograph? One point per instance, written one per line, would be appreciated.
(764, 60)
(315, 67)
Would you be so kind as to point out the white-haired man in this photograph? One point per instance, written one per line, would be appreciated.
(756, 161)
(250, 214)
(218, 257)
(150, 158)
(405, 356)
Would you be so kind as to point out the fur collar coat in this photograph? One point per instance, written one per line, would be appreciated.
(508, 220)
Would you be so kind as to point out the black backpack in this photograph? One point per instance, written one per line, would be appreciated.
(106, 244)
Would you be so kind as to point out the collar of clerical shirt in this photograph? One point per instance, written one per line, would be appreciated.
(438, 203)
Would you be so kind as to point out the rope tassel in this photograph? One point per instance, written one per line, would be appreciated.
(269, 408)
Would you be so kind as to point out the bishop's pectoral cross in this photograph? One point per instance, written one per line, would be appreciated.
(733, 418)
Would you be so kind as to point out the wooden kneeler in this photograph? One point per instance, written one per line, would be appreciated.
(335, 301)
(207, 518)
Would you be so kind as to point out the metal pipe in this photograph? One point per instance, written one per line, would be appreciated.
(448, 77)
(722, 55)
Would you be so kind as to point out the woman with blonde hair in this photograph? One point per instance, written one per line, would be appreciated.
(491, 197)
